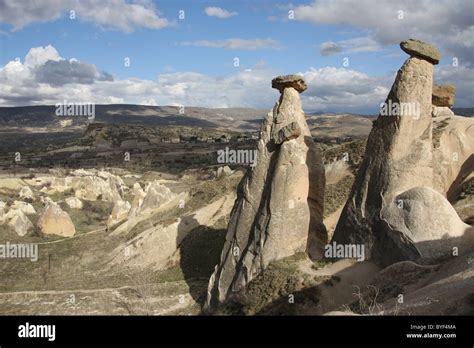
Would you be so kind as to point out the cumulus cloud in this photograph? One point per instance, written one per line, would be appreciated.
(114, 14)
(219, 12)
(235, 44)
(341, 89)
(445, 23)
(329, 88)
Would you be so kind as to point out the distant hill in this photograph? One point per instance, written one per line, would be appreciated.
(44, 119)
(464, 111)
(45, 116)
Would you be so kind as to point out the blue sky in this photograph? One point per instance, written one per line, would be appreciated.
(173, 60)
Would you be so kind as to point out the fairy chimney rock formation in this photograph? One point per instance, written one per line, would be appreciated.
(279, 207)
(397, 207)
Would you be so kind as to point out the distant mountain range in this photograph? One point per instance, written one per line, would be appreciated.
(45, 118)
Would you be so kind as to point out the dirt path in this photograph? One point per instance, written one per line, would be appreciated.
(70, 238)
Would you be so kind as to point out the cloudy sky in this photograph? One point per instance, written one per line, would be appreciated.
(225, 53)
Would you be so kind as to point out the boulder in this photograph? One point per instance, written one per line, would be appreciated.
(27, 193)
(443, 95)
(19, 222)
(3, 208)
(156, 195)
(24, 207)
(420, 222)
(91, 188)
(56, 221)
(295, 81)
(441, 111)
(119, 213)
(420, 49)
(74, 203)
(138, 196)
(279, 205)
(224, 171)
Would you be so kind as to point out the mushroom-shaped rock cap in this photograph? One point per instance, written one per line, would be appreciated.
(295, 81)
(421, 49)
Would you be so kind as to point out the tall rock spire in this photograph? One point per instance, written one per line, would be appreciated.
(279, 205)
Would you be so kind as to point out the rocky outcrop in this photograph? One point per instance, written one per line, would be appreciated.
(15, 219)
(279, 205)
(427, 224)
(224, 171)
(27, 193)
(74, 203)
(141, 251)
(406, 173)
(453, 153)
(24, 207)
(89, 185)
(156, 195)
(443, 95)
(441, 111)
(119, 213)
(154, 199)
(56, 221)
(19, 222)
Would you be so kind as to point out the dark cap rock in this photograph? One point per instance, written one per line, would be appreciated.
(295, 81)
(421, 49)
(443, 95)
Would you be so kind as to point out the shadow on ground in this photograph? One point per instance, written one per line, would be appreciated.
(199, 253)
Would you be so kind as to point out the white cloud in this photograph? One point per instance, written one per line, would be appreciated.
(39, 55)
(329, 88)
(235, 44)
(114, 14)
(219, 12)
(445, 23)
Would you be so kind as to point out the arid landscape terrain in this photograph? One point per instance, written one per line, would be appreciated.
(176, 158)
(130, 217)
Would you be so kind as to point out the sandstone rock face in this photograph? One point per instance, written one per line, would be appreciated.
(119, 213)
(74, 203)
(89, 185)
(453, 153)
(19, 222)
(92, 188)
(156, 195)
(27, 193)
(158, 246)
(138, 196)
(294, 81)
(443, 95)
(441, 111)
(420, 49)
(398, 158)
(397, 207)
(422, 223)
(24, 207)
(3, 207)
(224, 171)
(56, 221)
(279, 205)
